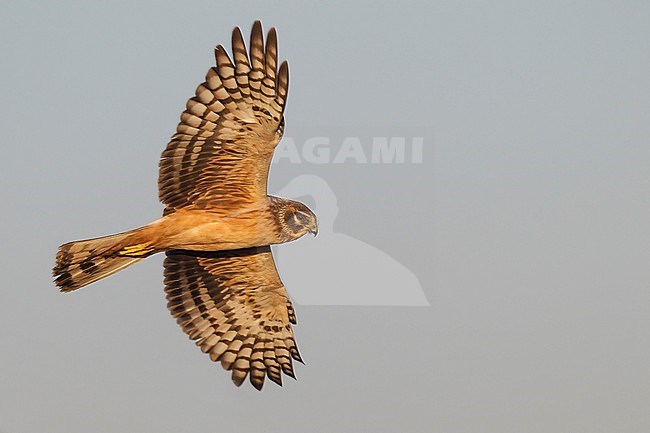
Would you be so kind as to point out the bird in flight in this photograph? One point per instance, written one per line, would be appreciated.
(221, 282)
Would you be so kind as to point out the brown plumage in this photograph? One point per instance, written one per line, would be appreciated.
(220, 278)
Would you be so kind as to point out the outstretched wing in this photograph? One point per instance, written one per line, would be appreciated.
(236, 308)
(220, 154)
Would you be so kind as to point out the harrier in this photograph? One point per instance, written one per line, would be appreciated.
(219, 222)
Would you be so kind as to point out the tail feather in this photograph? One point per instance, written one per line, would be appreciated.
(80, 263)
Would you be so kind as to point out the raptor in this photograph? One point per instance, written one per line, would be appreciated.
(221, 282)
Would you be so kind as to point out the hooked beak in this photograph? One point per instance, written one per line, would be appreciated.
(313, 229)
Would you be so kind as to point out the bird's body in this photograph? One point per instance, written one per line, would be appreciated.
(205, 230)
(219, 221)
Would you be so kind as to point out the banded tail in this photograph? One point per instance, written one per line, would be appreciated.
(80, 263)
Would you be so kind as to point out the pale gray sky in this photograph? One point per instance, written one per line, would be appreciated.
(526, 223)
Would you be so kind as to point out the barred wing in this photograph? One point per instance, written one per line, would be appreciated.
(236, 308)
(220, 155)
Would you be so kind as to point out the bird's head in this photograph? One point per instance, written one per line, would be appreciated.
(297, 219)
